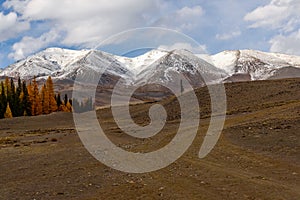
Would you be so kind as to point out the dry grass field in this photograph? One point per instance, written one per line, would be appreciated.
(257, 156)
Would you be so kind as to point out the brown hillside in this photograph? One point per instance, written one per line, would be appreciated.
(257, 156)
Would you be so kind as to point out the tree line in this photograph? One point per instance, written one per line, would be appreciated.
(85, 106)
(30, 100)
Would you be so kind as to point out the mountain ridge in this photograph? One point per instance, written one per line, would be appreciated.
(66, 64)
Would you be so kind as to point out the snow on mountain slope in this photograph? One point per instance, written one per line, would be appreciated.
(170, 66)
(63, 63)
(43, 63)
(139, 63)
(260, 65)
(62, 57)
(292, 60)
(225, 60)
(94, 63)
(153, 65)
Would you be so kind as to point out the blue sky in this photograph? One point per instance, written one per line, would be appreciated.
(28, 26)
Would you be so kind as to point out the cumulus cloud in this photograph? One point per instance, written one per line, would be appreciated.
(283, 14)
(17, 5)
(29, 45)
(180, 45)
(287, 44)
(75, 23)
(10, 25)
(228, 36)
(283, 17)
(85, 22)
(184, 19)
(190, 12)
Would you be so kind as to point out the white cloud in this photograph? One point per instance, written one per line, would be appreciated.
(286, 44)
(17, 5)
(29, 45)
(227, 36)
(190, 12)
(10, 26)
(77, 22)
(184, 19)
(7, 21)
(195, 49)
(86, 22)
(282, 14)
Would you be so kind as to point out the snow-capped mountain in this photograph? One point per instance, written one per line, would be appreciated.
(140, 63)
(43, 63)
(259, 65)
(180, 62)
(156, 65)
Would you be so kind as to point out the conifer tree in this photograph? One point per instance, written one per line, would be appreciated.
(52, 102)
(66, 99)
(13, 99)
(71, 102)
(21, 106)
(7, 90)
(62, 107)
(26, 104)
(3, 101)
(7, 86)
(58, 100)
(36, 105)
(89, 104)
(18, 100)
(68, 107)
(30, 95)
(45, 100)
(76, 105)
(19, 87)
(8, 113)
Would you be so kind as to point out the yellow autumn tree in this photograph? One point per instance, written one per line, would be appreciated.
(30, 95)
(52, 102)
(21, 97)
(62, 107)
(69, 107)
(45, 100)
(36, 104)
(8, 113)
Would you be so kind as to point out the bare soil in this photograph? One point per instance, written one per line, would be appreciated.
(257, 156)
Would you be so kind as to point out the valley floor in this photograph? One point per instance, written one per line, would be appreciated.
(257, 156)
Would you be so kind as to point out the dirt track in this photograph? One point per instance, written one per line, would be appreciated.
(257, 156)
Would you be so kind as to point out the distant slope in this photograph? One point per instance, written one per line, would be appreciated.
(286, 72)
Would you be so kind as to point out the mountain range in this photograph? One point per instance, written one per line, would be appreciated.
(157, 65)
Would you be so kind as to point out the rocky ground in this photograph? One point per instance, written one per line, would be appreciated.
(257, 156)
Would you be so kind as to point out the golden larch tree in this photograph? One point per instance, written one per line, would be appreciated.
(69, 107)
(8, 113)
(45, 100)
(62, 107)
(52, 102)
(36, 104)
